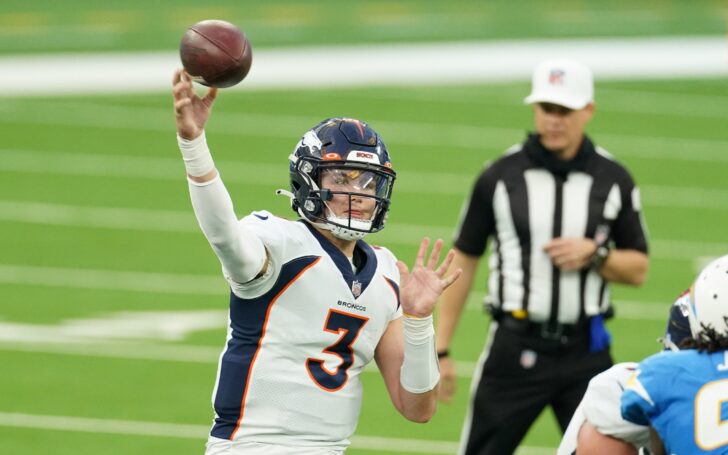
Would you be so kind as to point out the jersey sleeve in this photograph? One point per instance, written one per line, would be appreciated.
(276, 235)
(601, 406)
(388, 264)
(642, 391)
(240, 251)
(629, 231)
(477, 219)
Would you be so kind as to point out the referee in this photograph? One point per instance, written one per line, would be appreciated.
(564, 218)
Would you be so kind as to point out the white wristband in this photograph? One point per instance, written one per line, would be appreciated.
(420, 370)
(196, 155)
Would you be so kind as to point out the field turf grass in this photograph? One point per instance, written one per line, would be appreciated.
(93, 187)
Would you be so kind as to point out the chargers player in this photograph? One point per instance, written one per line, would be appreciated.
(597, 426)
(312, 304)
(682, 395)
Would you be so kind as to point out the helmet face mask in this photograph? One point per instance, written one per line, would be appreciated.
(341, 178)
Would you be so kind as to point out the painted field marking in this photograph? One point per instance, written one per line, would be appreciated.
(199, 432)
(407, 64)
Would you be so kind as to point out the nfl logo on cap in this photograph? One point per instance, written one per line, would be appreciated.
(562, 82)
(556, 77)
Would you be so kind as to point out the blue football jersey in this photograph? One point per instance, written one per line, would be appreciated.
(684, 397)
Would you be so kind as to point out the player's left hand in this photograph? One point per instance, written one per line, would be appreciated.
(420, 288)
(570, 253)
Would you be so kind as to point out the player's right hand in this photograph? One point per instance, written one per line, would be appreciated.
(448, 380)
(190, 111)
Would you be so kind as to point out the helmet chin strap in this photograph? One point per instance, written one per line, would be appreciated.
(336, 225)
(338, 231)
(347, 228)
(286, 193)
(346, 233)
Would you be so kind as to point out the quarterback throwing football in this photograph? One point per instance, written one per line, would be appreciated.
(311, 303)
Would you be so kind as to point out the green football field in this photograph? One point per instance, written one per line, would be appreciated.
(112, 306)
(42, 26)
(96, 224)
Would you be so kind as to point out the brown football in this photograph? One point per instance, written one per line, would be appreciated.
(216, 53)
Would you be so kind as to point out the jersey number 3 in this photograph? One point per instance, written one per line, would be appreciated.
(348, 327)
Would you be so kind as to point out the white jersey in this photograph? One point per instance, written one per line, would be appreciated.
(601, 406)
(300, 336)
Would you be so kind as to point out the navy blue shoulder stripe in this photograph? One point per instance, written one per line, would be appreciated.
(248, 319)
(395, 288)
(364, 276)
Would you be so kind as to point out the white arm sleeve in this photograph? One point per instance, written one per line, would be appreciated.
(420, 371)
(240, 251)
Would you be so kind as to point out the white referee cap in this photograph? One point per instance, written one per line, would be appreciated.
(564, 82)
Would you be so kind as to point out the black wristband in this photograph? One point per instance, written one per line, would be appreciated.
(445, 353)
(600, 257)
(601, 238)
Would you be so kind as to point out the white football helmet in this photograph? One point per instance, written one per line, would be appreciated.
(709, 299)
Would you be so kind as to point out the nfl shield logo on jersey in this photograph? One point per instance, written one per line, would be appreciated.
(356, 288)
(528, 358)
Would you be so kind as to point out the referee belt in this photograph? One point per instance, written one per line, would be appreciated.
(546, 330)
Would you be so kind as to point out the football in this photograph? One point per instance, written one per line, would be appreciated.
(216, 53)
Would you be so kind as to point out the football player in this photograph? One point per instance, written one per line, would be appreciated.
(311, 303)
(682, 395)
(597, 426)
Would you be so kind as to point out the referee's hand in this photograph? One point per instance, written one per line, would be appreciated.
(570, 253)
(448, 380)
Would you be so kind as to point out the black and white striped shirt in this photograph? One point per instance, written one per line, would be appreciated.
(528, 197)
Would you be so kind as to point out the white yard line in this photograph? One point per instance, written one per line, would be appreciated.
(108, 349)
(164, 283)
(107, 426)
(471, 137)
(182, 221)
(99, 217)
(101, 346)
(38, 341)
(199, 432)
(372, 65)
(270, 175)
(608, 99)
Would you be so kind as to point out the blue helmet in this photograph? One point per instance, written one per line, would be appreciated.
(678, 324)
(346, 151)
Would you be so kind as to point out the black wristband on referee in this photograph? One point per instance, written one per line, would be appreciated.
(445, 353)
(599, 257)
